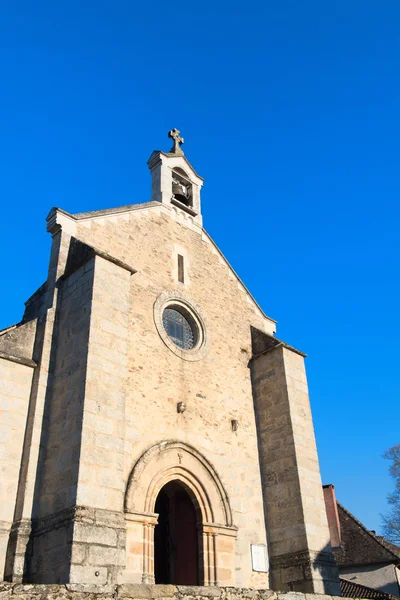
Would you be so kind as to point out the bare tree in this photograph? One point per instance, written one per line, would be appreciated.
(391, 520)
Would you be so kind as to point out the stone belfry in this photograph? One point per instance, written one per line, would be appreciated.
(161, 433)
(174, 181)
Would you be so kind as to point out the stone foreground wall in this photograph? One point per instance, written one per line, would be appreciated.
(9, 591)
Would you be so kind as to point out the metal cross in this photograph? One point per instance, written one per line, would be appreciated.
(178, 141)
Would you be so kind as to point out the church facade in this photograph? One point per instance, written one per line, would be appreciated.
(153, 428)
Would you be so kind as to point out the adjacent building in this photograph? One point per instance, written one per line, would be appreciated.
(367, 562)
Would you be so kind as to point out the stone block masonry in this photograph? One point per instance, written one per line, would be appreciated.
(300, 553)
(156, 380)
(74, 529)
(15, 384)
(104, 402)
(10, 591)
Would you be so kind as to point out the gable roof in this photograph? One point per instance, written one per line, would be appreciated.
(361, 546)
(156, 153)
(350, 589)
(110, 211)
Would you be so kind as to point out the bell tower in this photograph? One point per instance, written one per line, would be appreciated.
(174, 181)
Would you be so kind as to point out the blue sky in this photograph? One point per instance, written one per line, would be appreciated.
(290, 111)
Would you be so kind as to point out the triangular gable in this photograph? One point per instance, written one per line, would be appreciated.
(19, 339)
(156, 153)
(59, 216)
(234, 274)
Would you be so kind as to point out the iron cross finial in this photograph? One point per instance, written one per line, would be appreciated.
(178, 141)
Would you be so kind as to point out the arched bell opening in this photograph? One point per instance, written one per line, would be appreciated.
(177, 536)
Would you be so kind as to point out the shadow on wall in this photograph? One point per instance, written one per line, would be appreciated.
(294, 567)
(18, 544)
(60, 448)
(307, 572)
(47, 557)
(326, 571)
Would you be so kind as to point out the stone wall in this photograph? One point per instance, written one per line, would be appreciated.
(15, 387)
(145, 592)
(19, 340)
(99, 535)
(215, 389)
(109, 385)
(42, 306)
(57, 473)
(297, 527)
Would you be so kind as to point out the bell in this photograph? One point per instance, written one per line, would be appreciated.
(180, 192)
(178, 189)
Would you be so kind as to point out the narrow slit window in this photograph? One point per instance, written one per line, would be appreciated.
(181, 269)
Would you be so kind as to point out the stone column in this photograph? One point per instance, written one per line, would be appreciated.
(299, 548)
(218, 554)
(140, 547)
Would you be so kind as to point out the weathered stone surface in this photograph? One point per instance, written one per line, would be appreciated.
(267, 594)
(15, 387)
(79, 589)
(91, 534)
(210, 591)
(144, 592)
(34, 589)
(131, 590)
(19, 340)
(300, 553)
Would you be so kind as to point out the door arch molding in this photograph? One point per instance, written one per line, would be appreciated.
(174, 460)
(170, 460)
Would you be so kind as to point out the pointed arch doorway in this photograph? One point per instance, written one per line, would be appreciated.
(176, 539)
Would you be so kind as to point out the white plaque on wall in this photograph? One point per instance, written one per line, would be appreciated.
(259, 558)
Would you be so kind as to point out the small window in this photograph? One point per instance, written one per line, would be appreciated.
(180, 327)
(181, 269)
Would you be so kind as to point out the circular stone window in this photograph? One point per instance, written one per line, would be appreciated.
(180, 325)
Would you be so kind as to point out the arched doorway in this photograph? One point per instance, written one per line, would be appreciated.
(176, 540)
(163, 470)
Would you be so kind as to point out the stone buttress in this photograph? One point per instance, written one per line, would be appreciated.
(301, 558)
